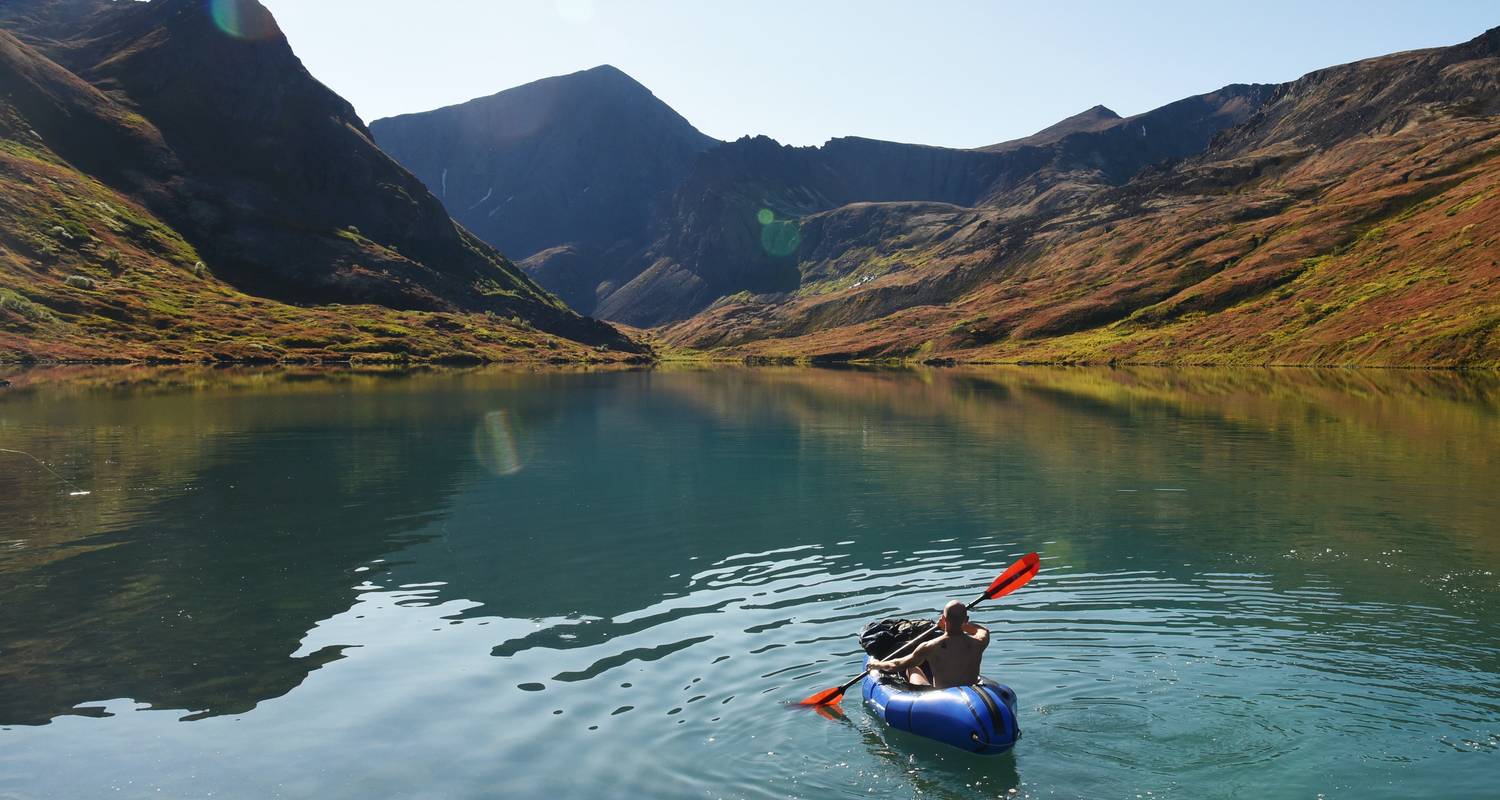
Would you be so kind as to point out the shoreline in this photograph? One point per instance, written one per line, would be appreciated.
(638, 360)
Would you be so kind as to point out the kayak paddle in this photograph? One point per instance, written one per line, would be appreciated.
(1010, 580)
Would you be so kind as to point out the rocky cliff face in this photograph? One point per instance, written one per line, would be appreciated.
(1378, 96)
(1080, 156)
(581, 162)
(218, 129)
(736, 223)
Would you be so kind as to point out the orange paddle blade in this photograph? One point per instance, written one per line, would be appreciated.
(1015, 577)
(827, 697)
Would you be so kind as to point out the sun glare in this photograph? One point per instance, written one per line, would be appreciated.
(243, 19)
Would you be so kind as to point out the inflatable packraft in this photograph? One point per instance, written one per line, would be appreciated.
(980, 718)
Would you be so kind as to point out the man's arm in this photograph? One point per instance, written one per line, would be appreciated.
(916, 656)
(978, 632)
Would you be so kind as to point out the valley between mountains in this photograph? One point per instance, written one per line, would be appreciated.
(240, 210)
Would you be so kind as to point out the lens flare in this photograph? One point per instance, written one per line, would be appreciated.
(780, 238)
(495, 444)
(243, 19)
(777, 237)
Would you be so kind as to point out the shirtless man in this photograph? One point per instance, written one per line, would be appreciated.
(953, 658)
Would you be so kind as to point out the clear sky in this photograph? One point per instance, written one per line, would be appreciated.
(961, 73)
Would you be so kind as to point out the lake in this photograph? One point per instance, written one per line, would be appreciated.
(455, 584)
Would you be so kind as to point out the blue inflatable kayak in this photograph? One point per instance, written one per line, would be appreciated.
(979, 718)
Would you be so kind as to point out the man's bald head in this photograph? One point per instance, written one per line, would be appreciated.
(955, 614)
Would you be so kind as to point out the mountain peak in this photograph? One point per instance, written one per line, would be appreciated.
(586, 87)
(602, 75)
(1093, 119)
(572, 164)
(607, 69)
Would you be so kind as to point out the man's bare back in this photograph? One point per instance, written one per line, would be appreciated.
(953, 658)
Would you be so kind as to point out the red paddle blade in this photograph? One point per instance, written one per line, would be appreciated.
(1015, 577)
(827, 697)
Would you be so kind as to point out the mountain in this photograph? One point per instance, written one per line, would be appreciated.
(176, 185)
(573, 165)
(747, 218)
(1351, 216)
(619, 205)
(185, 142)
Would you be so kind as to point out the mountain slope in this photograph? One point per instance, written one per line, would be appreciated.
(89, 273)
(736, 224)
(269, 177)
(1354, 218)
(574, 164)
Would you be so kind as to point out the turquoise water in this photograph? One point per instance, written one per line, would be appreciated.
(480, 584)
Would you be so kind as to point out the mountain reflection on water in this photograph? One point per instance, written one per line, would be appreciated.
(665, 554)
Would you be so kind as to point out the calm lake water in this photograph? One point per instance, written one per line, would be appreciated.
(485, 584)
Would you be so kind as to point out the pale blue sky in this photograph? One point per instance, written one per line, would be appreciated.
(961, 73)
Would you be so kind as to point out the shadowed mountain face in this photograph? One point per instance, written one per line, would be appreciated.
(208, 120)
(574, 166)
